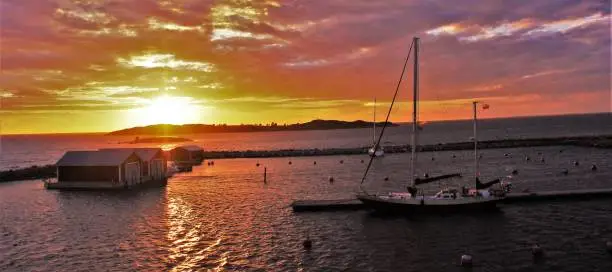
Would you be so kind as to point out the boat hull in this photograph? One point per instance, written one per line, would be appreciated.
(429, 206)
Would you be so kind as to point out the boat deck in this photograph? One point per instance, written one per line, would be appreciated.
(355, 204)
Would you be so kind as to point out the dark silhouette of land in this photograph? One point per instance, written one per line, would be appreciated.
(165, 129)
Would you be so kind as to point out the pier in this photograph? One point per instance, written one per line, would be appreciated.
(355, 204)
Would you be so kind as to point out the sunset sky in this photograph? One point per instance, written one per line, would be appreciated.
(96, 65)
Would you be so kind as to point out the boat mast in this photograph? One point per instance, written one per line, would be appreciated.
(415, 98)
(476, 174)
(374, 132)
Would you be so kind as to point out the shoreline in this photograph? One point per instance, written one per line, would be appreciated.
(602, 141)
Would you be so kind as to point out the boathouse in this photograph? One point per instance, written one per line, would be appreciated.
(99, 169)
(154, 163)
(191, 154)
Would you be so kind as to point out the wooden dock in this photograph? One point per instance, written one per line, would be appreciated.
(355, 204)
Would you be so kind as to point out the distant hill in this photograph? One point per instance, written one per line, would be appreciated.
(165, 129)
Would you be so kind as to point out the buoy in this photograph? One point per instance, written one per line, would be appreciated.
(593, 167)
(289, 162)
(537, 251)
(576, 163)
(331, 179)
(561, 151)
(466, 260)
(454, 156)
(506, 155)
(433, 159)
(515, 172)
(212, 162)
(341, 161)
(542, 159)
(257, 164)
(565, 171)
(609, 246)
(361, 161)
(315, 163)
(426, 175)
(307, 243)
(527, 158)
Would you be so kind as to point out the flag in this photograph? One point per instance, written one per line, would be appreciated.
(485, 106)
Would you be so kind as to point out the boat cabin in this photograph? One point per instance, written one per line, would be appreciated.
(447, 194)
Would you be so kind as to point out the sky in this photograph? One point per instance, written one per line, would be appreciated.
(102, 65)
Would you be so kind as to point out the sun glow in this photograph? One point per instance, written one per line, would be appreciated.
(168, 110)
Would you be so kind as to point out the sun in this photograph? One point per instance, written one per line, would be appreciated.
(168, 110)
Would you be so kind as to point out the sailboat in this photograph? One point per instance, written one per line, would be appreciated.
(374, 150)
(445, 200)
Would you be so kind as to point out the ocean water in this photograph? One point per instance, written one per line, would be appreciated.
(224, 218)
(25, 150)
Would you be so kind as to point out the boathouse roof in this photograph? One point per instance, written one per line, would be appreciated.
(113, 157)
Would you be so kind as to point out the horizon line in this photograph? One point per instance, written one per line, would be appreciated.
(400, 122)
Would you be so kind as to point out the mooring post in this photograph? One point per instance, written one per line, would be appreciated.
(265, 174)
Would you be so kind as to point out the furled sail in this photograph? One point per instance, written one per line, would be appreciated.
(419, 181)
(480, 185)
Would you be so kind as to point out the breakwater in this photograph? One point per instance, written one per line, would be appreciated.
(605, 141)
(32, 172)
(585, 141)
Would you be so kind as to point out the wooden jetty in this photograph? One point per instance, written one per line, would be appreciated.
(355, 204)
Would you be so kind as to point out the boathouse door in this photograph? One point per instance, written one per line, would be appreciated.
(157, 169)
(132, 173)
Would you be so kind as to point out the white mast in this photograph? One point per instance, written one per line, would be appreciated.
(374, 133)
(415, 99)
(476, 174)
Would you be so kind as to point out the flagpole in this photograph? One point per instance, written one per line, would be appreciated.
(476, 174)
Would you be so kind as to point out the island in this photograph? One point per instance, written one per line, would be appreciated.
(165, 129)
(157, 140)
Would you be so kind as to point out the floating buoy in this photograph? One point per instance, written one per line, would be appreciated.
(609, 246)
(212, 162)
(466, 260)
(561, 151)
(341, 161)
(537, 251)
(361, 161)
(576, 163)
(454, 156)
(515, 172)
(289, 162)
(331, 179)
(433, 159)
(315, 163)
(565, 171)
(307, 243)
(386, 178)
(506, 155)
(594, 167)
(542, 159)
(426, 175)
(257, 164)
(527, 158)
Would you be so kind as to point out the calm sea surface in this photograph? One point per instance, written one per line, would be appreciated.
(20, 151)
(223, 218)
